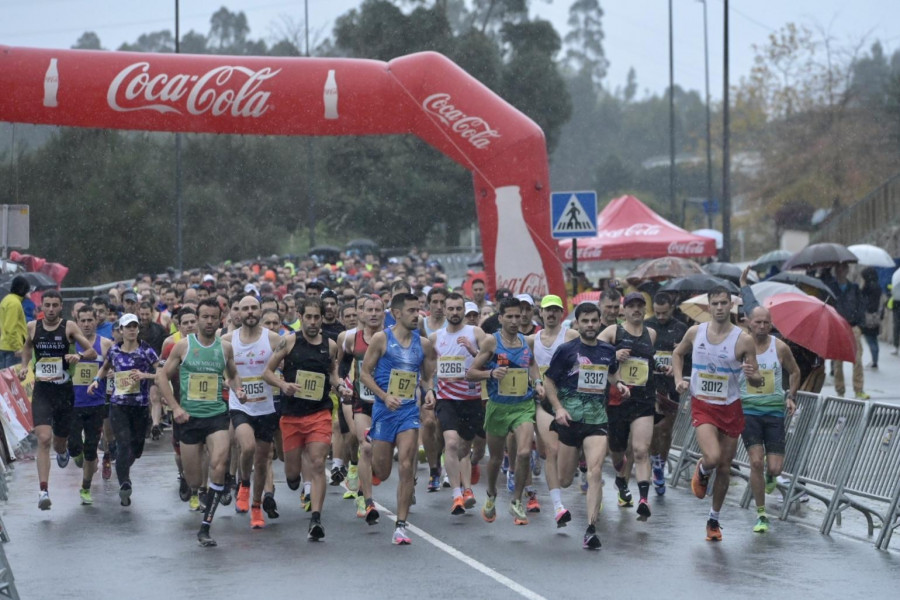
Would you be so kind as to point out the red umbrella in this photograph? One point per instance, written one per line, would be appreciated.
(811, 323)
(589, 296)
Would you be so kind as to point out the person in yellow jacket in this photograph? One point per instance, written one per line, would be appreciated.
(13, 329)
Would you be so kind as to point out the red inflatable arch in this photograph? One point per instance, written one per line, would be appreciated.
(424, 94)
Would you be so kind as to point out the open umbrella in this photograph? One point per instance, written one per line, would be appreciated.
(811, 323)
(766, 289)
(818, 255)
(588, 296)
(871, 256)
(775, 258)
(711, 233)
(697, 308)
(667, 267)
(815, 286)
(37, 281)
(729, 271)
(699, 284)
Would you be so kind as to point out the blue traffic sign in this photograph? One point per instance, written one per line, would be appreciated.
(711, 207)
(573, 214)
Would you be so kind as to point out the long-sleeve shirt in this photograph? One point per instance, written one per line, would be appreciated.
(12, 323)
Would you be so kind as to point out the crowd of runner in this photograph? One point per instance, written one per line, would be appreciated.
(373, 364)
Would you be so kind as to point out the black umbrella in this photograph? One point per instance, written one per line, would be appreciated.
(699, 284)
(802, 279)
(328, 254)
(820, 254)
(37, 281)
(775, 258)
(729, 271)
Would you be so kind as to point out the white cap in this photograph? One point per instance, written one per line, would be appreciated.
(471, 307)
(128, 319)
(251, 289)
(525, 298)
(208, 277)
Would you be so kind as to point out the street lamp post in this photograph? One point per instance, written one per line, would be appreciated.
(672, 212)
(709, 169)
(311, 214)
(726, 156)
(179, 258)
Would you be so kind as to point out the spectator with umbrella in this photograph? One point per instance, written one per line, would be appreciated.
(873, 312)
(849, 305)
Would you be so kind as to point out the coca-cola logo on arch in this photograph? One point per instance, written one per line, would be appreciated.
(227, 89)
(532, 283)
(472, 129)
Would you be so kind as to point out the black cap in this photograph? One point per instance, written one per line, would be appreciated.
(634, 297)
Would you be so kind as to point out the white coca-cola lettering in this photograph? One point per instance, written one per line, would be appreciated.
(475, 130)
(635, 230)
(686, 248)
(533, 283)
(217, 91)
(585, 253)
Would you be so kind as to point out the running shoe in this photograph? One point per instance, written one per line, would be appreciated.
(184, 490)
(510, 481)
(194, 503)
(375, 480)
(257, 521)
(535, 463)
(203, 537)
(469, 498)
(434, 483)
(445, 481)
(360, 507)
(422, 456)
(591, 539)
(713, 531)
(504, 466)
(44, 500)
(643, 510)
(125, 494)
(771, 484)
(401, 538)
(659, 474)
(106, 471)
(584, 482)
(489, 510)
(349, 495)
(762, 524)
(532, 504)
(476, 474)
(316, 532)
(227, 496)
(85, 496)
(563, 516)
(79, 460)
(270, 506)
(353, 478)
(62, 459)
(624, 496)
(517, 510)
(699, 483)
(242, 504)
(306, 501)
(337, 476)
(863, 396)
(155, 433)
(459, 506)
(371, 513)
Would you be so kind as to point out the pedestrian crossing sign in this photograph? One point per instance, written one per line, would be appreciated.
(573, 214)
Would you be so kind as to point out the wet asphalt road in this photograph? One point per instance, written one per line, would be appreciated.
(149, 549)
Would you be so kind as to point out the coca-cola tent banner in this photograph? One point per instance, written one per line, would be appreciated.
(423, 94)
(628, 229)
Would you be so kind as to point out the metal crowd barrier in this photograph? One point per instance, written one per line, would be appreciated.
(891, 523)
(684, 440)
(873, 468)
(681, 429)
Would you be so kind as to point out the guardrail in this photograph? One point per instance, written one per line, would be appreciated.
(860, 221)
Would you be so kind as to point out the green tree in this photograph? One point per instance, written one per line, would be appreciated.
(88, 41)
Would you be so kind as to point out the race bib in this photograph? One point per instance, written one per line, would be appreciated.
(663, 359)
(713, 386)
(514, 383)
(254, 388)
(452, 368)
(124, 384)
(84, 373)
(484, 391)
(768, 383)
(543, 370)
(312, 385)
(365, 394)
(402, 384)
(49, 368)
(203, 387)
(634, 371)
(592, 379)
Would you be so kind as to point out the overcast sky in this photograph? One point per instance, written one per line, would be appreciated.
(636, 30)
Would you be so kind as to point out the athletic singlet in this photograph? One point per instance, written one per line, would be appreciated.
(360, 345)
(768, 397)
(429, 330)
(347, 361)
(307, 365)
(452, 364)
(715, 376)
(542, 353)
(397, 371)
(50, 349)
(201, 380)
(251, 360)
(83, 374)
(514, 387)
(638, 370)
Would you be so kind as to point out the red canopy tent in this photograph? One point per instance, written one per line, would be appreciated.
(628, 229)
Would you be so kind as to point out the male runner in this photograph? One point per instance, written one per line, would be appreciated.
(310, 371)
(396, 361)
(202, 361)
(255, 419)
(154, 334)
(764, 411)
(459, 408)
(721, 351)
(577, 378)
(429, 432)
(186, 319)
(53, 397)
(506, 361)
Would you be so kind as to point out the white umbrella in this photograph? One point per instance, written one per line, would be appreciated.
(697, 308)
(767, 289)
(711, 233)
(871, 256)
